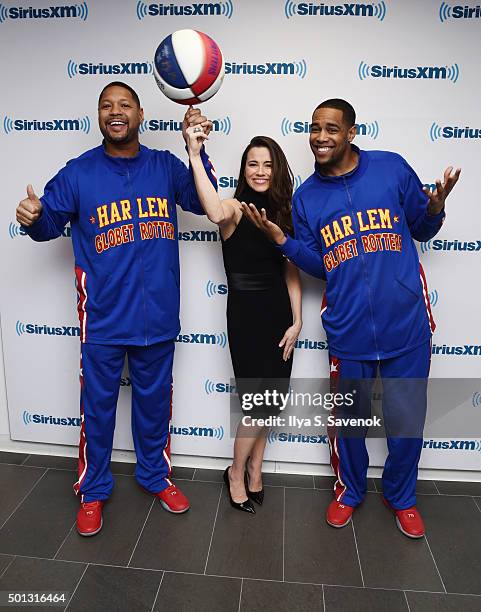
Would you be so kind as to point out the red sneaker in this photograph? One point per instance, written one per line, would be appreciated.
(173, 500)
(409, 521)
(89, 518)
(338, 515)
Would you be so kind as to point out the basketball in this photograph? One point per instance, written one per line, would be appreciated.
(188, 67)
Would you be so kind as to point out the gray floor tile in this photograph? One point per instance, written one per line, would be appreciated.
(50, 461)
(180, 542)
(422, 486)
(458, 488)
(208, 475)
(389, 559)
(247, 545)
(432, 602)
(184, 473)
(71, 463)
(314, 551)
(122, 467)
(14, 458)
(115, 589)
(193, 593)
(327, 483)
(453, 527)
(261, 596)
(41, 575)
(124, 515)
(4, 562)
(345, 599)
(44, 518)
(15, 482)
(303, 481)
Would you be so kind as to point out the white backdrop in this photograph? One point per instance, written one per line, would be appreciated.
(282, 59)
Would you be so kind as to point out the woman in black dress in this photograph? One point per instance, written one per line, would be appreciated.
(264, 297)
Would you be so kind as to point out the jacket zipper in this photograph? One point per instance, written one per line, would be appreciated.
(142, 272)
(364, 267)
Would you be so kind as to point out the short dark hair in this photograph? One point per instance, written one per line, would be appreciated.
(125, 86)
(348, 112)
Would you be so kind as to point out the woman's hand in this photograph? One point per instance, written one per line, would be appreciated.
(289, 340)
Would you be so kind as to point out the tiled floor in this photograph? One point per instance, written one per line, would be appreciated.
(215, 559)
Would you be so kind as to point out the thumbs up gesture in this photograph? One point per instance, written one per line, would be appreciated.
(30, 209)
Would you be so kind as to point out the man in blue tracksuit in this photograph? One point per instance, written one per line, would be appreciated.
(355, 219)
(120, 199)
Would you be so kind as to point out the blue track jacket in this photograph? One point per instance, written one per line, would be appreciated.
(355, 231)
(123, 217)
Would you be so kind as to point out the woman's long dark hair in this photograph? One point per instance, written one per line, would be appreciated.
(281, 184)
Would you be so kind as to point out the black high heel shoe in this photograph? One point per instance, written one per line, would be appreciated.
(245, 506)
(256, 496)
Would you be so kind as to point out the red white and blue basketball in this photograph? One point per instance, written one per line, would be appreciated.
(189, 67)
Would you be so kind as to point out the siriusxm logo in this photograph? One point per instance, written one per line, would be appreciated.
(45, 330)
(200, 236)
(125, 382)
(312, 345)
(467, 349)
(195, 9)
(202, 432)
(212, 289)
(321, 9)
(451, 245)
(433, 297)
(476, 400)
(88, 68)
(458, 11)
(450, 73)
(72, 11)
(43, 419)
(227, 182)
(211, 387)
(16, 230)
(199, 338)
(170, 125)
(371, 130)
(461, 445)
(284, 436)
(275, 68)
(53, 125)
(449, 131)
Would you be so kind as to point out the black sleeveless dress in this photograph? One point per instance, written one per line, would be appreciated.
(258, 308)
